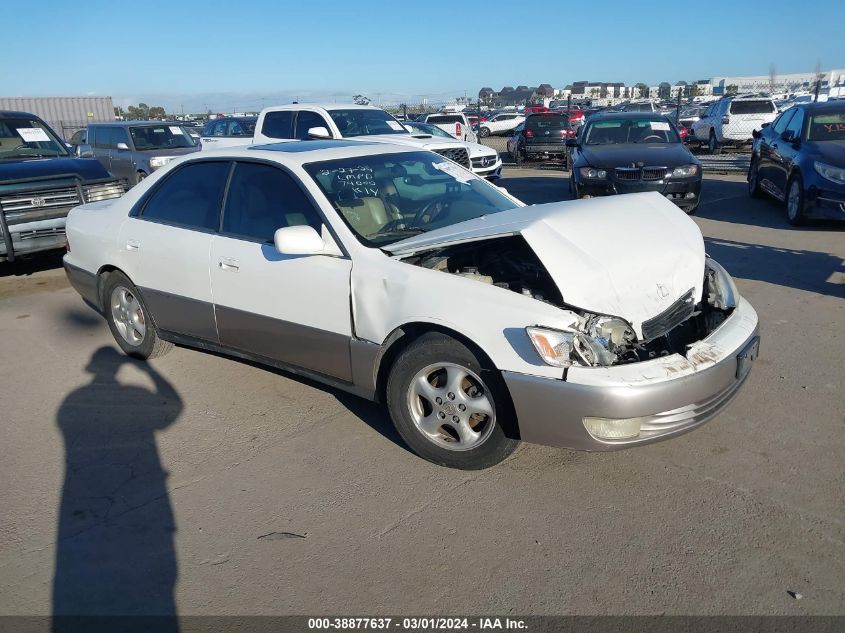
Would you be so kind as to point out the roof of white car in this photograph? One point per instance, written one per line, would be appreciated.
(302, 152)
(324, 106)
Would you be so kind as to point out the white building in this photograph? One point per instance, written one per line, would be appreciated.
(794, 82)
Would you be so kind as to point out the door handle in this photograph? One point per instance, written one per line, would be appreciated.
(228, 263)
(132, 245)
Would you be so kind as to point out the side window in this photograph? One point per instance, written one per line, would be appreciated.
(219, 128)
(235, 129)
(118, 135)
(262, 199)
(207, 128)
(278, 124)
(780, 125)
(102, 137)
(796, 123)
(190, 197)
(305, 120)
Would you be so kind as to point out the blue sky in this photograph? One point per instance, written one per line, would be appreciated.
(229, 55)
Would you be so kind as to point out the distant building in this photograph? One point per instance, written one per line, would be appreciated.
(787, 83)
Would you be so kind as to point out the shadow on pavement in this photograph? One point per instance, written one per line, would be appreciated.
(804, 270)
(728, 201)
(31, 264)
(115, 553)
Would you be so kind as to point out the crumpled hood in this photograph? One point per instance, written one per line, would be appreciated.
(629, 256)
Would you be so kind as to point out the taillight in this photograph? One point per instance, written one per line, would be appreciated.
(457, 129)
(529, 134)
(726, 119)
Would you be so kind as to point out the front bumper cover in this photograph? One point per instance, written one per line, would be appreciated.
(673, 394)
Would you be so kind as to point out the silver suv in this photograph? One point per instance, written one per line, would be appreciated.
(132, 150)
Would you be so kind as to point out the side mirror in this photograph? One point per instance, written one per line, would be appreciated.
(84, 151)
(122, 146)
(755, 134)
(299, 240)
(788, 136)
(319, 132)
(572, 142)
(767, 124)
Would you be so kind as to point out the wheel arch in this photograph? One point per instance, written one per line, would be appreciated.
(401, 337)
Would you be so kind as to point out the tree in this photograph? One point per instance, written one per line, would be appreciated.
(664, 90)
(732, 89)
(157, 112)
(642, 89)
(361, 100)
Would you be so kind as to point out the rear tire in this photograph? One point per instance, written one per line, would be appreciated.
(518, 158)
(129, 320)
(449, 405)
(753, 179)
(713, 144)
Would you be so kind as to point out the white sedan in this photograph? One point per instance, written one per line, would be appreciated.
(400, 276)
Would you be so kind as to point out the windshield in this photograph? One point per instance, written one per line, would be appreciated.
(146, 137)
(829, 126)
(28, 138)
(621, 131)
(387, 198)
(365, 122)
(427, 128)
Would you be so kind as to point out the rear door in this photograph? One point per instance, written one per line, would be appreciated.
(168, 242)
(288, 308)
(121, 159)
(101, 145)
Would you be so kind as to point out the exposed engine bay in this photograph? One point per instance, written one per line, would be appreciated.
(507, 262)
(510, 263)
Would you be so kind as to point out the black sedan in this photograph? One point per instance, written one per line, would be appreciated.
(800, 159)
(627, 152)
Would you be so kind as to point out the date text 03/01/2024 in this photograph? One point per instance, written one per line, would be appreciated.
(415, 624)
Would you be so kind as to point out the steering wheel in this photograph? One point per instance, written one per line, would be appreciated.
(436, 206)
(656, 137)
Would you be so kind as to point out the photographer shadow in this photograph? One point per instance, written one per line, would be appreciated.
(115, 553)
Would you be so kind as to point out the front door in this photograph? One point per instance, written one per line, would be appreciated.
(288, 308)
(170, 241)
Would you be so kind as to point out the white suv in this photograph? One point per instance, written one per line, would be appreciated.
(455, 123)
(732, 120)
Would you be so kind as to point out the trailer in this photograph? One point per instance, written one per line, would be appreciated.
(65, 115)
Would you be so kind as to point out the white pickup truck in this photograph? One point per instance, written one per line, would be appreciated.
(343, 121)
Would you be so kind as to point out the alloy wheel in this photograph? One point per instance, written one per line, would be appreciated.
(128, 316)
(451, 406)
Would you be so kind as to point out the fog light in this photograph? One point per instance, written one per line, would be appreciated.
(613, 429)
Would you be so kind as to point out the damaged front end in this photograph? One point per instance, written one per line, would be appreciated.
(595, 340)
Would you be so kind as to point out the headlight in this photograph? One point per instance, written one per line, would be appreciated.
(604, 337)
(834, 174)
(159, 161)
(684, 171)
(592, 172)
(105, 191)
(720, 289)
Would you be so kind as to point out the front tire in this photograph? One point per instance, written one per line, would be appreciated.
(483, 132)
(129, 320)
(449, 406)
(795, 201)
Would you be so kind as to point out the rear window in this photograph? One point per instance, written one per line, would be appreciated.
(444, 118)
(547, 121)
(762, 106)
